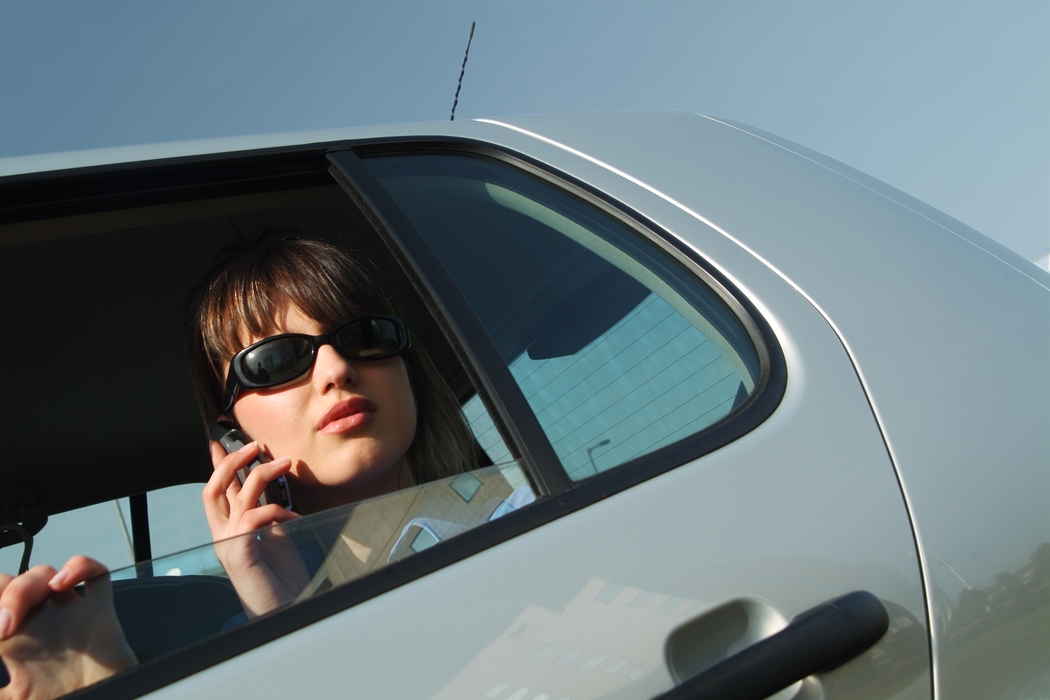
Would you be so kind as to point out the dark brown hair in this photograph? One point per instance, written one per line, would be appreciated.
(246, 290)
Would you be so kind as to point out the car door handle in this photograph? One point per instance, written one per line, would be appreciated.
(816, 641)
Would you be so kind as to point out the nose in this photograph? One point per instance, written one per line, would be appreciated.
(332, 370)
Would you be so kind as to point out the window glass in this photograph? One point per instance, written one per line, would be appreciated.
(181, 604)
(618, 350)
(485, 431)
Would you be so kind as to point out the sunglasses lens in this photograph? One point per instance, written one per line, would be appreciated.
(285, 358)
(278, 361)
(369, 339)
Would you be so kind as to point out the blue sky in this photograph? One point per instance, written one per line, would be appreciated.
(949, 101)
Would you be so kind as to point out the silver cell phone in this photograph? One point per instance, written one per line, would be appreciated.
(232, 439)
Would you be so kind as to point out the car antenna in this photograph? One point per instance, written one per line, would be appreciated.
(462, 70)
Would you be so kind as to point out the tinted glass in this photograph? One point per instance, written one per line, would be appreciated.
(370, 337)
(618, 349)
(189, 596)
(277, 360)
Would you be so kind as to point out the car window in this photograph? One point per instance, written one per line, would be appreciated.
(341, 544)
(617, 348)
(185, 596)
(176, 600)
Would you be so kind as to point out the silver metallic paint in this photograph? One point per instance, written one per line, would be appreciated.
(963, 395)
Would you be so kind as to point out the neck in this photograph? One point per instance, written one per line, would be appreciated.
(322, 497)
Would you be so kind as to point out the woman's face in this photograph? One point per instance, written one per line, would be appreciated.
(345, 424)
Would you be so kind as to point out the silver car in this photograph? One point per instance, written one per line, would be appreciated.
(753, 422)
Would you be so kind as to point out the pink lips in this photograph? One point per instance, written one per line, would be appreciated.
(346, 415)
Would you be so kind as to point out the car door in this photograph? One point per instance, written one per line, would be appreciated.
(683, 514)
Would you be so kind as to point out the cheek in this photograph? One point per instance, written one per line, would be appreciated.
(269, 418)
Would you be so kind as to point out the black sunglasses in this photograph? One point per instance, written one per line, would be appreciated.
(283, 358)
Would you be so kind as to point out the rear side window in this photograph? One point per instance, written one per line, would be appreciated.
(618, 349)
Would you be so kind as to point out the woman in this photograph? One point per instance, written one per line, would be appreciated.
(342, 422)
(341, 430)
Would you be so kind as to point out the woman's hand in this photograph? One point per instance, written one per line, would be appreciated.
(54, 641)
(268, 573)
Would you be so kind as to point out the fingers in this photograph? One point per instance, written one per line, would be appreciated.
(217, 453)
(77, 570)
(21, 595)
(93, 574)
(227, 502)
(216, 494)
(266, 515)
(226, 465)
(247, 496)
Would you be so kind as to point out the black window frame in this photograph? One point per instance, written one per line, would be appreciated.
(100, 188)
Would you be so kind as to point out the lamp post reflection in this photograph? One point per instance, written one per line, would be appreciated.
(591, 449)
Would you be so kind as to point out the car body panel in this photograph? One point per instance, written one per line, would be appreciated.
(878, 269)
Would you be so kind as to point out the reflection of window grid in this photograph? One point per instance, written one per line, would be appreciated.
(649, 380)
(465, 485)
(424, 539)
(501, 510)
(370, 531)
(485, 431)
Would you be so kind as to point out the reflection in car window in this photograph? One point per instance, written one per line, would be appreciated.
(618, 350)
(485, 431)
(389, 528)
(162, 613)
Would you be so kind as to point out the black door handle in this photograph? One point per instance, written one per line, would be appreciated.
(818, 640)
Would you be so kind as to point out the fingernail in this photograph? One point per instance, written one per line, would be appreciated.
(59, 578)
(247, 447)
(282, 460)
(7, 621)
